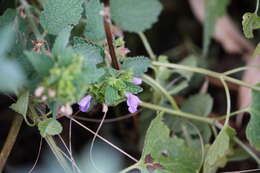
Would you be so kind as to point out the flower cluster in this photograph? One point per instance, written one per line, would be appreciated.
(132, 100)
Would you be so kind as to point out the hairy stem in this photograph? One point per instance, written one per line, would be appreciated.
(208, 73)
(10, 140)
(177, 113)
(147, 46)
(150, 81)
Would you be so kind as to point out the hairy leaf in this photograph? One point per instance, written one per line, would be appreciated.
(91, 74)
(214, 9)
(12, 76)
(58, 14)
(135, 15)
(250, 22)
(49, 127)
(111, 95)
(164, 154)
(217, 153)
(7, 17)
(189, 61)
(199, 104)
(93, 54)
(21, 106)
(40, 62)
(139, 65)
(61, 41)
(253, 127)
(94, 27)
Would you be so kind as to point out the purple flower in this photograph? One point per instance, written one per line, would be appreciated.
(137, 80)
(132, 102)
(84, 103)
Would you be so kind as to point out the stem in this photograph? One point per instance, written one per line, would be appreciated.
(30, 18)
(109, 36)
(247, 149)
(208, 73)
(147, 45)
(10, 140)
(150, 81)
(257, 6)
(232, 114)
(177, 113)
(228, 101)
(242, 145)
(229, 72)
(58, 154)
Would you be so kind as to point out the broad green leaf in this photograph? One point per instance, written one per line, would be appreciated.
(217, 153)
(12, 76)
(94, 28)
(111, 95)
(166, 154)
(91, 74)
(58, 14)
(49, 127)
(7, 17)
(21, 106)
(7, 38)
(93, 54)
(189, 61)
(214, 9)
(132, 88)
(199, 104)
(40, 62)
(139, 65)
(257, 50)
(135, 15)
(250, 22)
(61, 41)
(253, 127)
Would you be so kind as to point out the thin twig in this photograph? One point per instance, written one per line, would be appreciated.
(10, 140)
(115, 63)
(105, 140)
(38, 156)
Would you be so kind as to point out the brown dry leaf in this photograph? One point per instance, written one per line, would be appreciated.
(226, 31)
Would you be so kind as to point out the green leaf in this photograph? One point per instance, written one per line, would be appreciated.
(91, 74)
(200, 104)
(111, 95)
(93, 54)
(253, 127)
(61, 41)
(7, 38)
(135, 15)
(166, 154)
(257, 51)
(214, 9)
(139, 65)
(21, 106)
(12, 76)
(94, 27)
(217, 153)
(49, 127)
(250, 22)
(189, 61)
(40, 62)
(8, 17)
(58, 14)
(132, 88)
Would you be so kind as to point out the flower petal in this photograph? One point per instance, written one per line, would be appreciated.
(137, 80)
(132, 102)
(84, 103)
